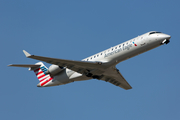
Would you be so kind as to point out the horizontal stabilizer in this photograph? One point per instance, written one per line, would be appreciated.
(25, 65)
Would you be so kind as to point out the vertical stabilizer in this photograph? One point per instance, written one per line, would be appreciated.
(41, 74)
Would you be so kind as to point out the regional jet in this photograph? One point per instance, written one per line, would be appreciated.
(101, 66)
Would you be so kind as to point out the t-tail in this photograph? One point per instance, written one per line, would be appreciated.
(40, 71)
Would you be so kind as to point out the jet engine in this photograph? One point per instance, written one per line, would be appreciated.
(54, 70)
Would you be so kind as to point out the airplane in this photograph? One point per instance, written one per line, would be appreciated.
(101, 66)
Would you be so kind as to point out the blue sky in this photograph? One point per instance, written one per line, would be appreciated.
(75, 30)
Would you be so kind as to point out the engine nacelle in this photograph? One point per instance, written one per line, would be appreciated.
(54, 69)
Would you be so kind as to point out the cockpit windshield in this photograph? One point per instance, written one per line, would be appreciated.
(153, 33)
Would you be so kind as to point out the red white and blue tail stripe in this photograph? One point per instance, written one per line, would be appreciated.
(40, 72)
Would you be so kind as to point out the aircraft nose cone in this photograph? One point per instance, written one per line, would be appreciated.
(168, 37)
(165, 39)
(165, 36)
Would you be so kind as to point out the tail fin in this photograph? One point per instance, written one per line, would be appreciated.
(41, 74)
(40, 71)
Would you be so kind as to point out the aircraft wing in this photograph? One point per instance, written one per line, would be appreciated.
(113, 76)
(78, 66)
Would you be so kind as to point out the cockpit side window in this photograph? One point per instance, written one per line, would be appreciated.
(153, 32)
(158, 32)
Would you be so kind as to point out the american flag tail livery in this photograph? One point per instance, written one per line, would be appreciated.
(41, 74)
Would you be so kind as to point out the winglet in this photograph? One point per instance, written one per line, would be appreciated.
(26, 53)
